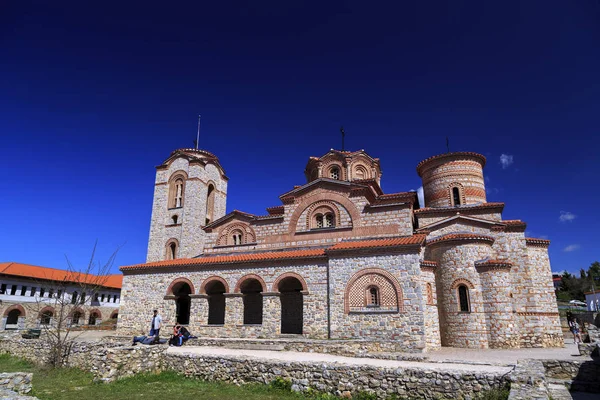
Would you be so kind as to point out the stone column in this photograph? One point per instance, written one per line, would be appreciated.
(4, 323)
(198, 309)
(271, 314)
(234, 309)
(168, 312)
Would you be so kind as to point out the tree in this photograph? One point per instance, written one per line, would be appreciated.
(66, 295)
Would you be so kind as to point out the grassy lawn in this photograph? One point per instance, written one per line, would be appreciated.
(74, 384)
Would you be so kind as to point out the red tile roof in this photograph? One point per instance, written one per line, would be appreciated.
(460, 236)
(414, 240)
(231, 259)
(537, 242)
(493, 262)
(458, 154)
(59, 275)
(429, 263)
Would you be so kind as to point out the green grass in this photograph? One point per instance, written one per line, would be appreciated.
(74, 384)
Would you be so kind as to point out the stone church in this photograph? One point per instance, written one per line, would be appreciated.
(340, 259)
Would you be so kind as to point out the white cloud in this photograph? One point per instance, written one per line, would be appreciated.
(421, 196)
(506, 160)
(572, 247)
(566, 216)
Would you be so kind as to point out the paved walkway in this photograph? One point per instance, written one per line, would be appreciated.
(504, 357)
(293, 356)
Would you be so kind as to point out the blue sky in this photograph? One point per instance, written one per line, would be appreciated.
(93, 97)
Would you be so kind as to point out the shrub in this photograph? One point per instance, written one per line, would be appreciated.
(281, 384)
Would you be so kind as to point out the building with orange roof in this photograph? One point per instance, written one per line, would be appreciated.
(30, 296)
(338, 258)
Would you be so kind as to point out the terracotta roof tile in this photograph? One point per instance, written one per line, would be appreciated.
(58, 275)
(230, 259)
(414, 240)
(537, 242)
(429, 263)
(493, 262)
(459, 237)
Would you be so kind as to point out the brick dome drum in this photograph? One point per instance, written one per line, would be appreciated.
(453, 179)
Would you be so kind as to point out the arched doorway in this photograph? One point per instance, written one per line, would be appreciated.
(292, 305)
(46, 316)
(12, 319)
(182, 291)
(93, 318)
(253, 302)
(216, 302)
(76, 318)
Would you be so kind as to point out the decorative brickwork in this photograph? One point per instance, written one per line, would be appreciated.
(388, 291)
(211, 279)
(248, 277)
(289, 275)
(177, 282)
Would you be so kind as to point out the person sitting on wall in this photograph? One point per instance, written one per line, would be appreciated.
(176, 337)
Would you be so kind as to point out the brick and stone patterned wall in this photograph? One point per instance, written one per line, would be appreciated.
(456, 266)
(291, 230)
(500, 323)
(406, 327)
(439, 175)
(192, 216)
(432, 319)
(143, 292)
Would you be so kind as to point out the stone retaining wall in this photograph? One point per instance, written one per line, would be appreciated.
(18, 382)
(111, 361)
(337, 378)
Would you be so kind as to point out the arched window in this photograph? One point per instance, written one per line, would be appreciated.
(319, 220)
(456, 196)
(172, 249)
(463, 298)
(77, 315)
(360, 172)
(177, 189)
(373, 297)
(334, 173)
(46, 317)
(210, 203)
(429, 293)
(329, 220)
(174, 218)
(237, 237)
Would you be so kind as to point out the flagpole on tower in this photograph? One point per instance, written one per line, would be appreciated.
(343, 134)
(198, 135)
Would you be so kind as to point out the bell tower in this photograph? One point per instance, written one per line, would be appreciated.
(190, 191)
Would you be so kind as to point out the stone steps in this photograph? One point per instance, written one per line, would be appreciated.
(253, 346)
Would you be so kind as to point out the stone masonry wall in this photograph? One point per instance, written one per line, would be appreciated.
(456, 265)
(497, 304)
(432, 318)
(191, 217)
(406, 326)
(144, 292)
